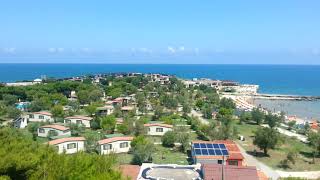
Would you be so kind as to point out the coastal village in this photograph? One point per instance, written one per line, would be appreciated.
(160, 127)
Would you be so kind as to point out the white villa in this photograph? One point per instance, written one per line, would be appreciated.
(105, 110)
(42, 116)
(115, 145)
(69, 145)
(158, 129)
(59, 130)
(84, 120)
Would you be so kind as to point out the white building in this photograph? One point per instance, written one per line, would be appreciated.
(59, 130)
(42, 116)
(115, 145)
(158, 129)
(84, 120)
(105, 110)
(69, 145)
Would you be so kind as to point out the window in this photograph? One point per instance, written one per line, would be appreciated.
(219, 161)
(79, 122)
(68, 121)
(107, 146)
(41, 130)
(71, 145)
(233, 162)
(31, 116)
(159, 130)
(41, 117)
(124, 145)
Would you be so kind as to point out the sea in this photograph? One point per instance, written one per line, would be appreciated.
(272, 79)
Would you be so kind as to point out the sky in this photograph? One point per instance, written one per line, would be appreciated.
(163, 31)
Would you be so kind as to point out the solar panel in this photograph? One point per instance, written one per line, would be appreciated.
(224, 152)
(197, 151)
(202, 145)
(218, 152)
(210, 149)
(216, 146)
(196, 145)
(209, 146)
(211, 152)
(204, 151)
(222, 146)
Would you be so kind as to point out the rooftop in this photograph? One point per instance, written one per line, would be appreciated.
(80, 117)
(158, 124)
(56, 126)
(114, 139)
(67, 139)
(43, 113)
(233, 149)
(214, 171)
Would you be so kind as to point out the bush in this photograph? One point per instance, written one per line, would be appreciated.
(168, 139)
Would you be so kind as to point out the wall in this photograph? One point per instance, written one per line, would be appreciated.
(46, 131)
(63, 147)
(151, 130)
(86, 123)
(116, 148)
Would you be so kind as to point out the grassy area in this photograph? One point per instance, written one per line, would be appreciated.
(303, 160)
(162, 155)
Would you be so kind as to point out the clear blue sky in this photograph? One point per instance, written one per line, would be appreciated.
(164, 31)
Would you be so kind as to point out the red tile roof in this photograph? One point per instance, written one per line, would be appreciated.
(214, 172)
(233, 149)
(80, 117)
(68, 139)
(131, 171)
(43, 113)
(158, 124)
(114, 139)
(56, 126)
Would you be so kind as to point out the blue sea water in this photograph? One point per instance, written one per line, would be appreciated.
(276, 79)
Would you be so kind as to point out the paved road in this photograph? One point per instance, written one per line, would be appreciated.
(252, 161)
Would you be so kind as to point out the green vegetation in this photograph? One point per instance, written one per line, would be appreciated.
(23, 158)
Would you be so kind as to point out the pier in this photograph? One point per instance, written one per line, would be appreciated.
(285, 97)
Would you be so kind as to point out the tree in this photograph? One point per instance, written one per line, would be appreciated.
(139, 128)
(142, 150)
(57, 112)
(9, 99)
(245, 117)
(266, 138)
(291, 124)
(227, 103)
(183, 137)
(23, 158)
(207, 111)
(314, 140)
(91, 109)
(108, 123)
(257, 116)
(168, 139)
(272, 120)
(13, 112)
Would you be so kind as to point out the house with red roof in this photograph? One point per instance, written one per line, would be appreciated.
(216, 152)
(158, 129)
(115, 145)
(84, 120)
(41, 116)
(53, 129)
(69, 145)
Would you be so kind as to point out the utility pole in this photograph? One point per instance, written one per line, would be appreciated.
(222, 171)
